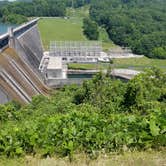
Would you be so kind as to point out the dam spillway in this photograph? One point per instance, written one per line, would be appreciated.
(21, 77)
(20, 57)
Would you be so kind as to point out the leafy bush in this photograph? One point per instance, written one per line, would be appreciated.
(99, 115)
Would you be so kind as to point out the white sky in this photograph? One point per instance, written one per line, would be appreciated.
(8, 0)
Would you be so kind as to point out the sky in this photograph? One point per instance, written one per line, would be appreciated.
(9, 0)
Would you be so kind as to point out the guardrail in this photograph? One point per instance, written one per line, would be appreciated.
(4, 39)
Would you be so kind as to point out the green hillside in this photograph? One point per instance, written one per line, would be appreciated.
(69, 28)
(60, 29)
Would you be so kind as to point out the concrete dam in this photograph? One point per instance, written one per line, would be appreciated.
(25, 71)
(20, 55)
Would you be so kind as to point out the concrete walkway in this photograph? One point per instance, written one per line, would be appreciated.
(123, 73)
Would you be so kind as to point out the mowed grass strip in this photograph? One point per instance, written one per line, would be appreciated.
(88, 66)
(60, 29)
(126, 63)
(140, 63)
(147, 158)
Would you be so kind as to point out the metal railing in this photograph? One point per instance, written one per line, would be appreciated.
(4, 39)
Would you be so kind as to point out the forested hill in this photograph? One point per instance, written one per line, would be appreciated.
(39, 7)
(17, 12)
(139, 24)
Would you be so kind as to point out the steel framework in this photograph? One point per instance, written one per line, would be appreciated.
(76, 48)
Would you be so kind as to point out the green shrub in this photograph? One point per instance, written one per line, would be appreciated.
(94, 117)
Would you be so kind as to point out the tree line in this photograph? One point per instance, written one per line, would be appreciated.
(31, 9)
(138, 24)
(18, 11)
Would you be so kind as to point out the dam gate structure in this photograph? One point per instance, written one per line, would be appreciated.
(20, 55)
(54, 63)
(76, 51)
(25, 71)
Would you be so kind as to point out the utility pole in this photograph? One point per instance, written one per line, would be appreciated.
(72, 4)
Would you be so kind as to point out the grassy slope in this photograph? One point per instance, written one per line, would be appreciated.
(128, 159)
(131, 63)
(60, 29)
(140, 63)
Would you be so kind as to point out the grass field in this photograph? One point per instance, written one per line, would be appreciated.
(60, 29)
(150, 158)
(88, 66)
(131, 63)
(140, 63)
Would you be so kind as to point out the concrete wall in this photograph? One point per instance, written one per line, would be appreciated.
(4, 98)
(20, 78)
(17, 79)
(29, 47)
(58, 83)
(31, 40)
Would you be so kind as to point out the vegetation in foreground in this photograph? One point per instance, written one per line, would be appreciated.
(100, 116)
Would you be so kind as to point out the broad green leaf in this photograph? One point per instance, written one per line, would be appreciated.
(154, 129)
